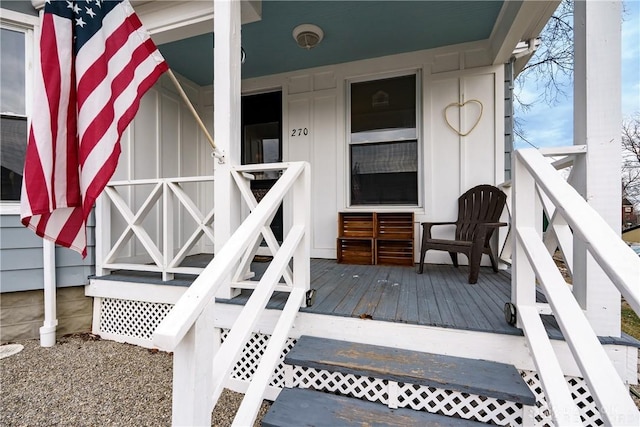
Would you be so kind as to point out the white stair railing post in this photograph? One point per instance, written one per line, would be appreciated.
(302, 216)
(505, 236)
(193, 373)
(167, 229)
(523, 290)
(103, 238)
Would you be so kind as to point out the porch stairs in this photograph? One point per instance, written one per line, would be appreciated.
(391, 376)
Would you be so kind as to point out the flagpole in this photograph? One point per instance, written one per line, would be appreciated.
(186, 99)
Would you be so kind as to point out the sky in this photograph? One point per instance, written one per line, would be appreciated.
(548, 126)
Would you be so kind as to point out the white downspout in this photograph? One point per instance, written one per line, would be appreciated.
(48, 329)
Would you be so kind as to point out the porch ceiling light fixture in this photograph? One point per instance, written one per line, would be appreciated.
(308, 36)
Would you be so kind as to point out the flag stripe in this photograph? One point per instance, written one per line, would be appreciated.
(34, 175)
(103, 177)
(67, 229)
(98, 68)
(96, 64)
(74, 198)
(123, 93)
(51, 69)
(95, 158)
(61, 64)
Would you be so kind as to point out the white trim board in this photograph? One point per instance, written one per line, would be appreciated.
(134, 291)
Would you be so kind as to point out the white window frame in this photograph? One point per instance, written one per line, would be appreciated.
(419, 138)
(30, 26)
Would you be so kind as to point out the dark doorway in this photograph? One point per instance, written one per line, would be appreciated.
(262, 143)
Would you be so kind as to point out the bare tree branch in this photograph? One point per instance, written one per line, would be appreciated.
(631, 159)
(551, 67)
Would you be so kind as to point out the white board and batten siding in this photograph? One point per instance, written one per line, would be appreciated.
(316, 100)
(169, 144)
(164, 141)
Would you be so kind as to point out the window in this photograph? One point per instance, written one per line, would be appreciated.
(13, 117)
(383, 146)
(14, 136)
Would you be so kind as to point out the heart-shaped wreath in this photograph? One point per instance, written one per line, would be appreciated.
(460, 106)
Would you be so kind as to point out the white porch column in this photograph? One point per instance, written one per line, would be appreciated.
(226, 106)
(597, 123)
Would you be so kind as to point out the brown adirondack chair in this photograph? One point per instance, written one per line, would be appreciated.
(479, 211)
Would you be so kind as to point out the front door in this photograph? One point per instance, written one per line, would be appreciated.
(262, 143)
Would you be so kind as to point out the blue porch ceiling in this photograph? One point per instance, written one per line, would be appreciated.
(353, 30)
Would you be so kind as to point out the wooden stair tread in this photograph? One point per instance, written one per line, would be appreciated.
(304, 407)
(480, 377)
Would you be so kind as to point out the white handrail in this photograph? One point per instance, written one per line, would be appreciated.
(533, 263)
(602, 378)
(254, 396)
(558, 233)
(548, 367)
(617, 260)
(232, 347)
(188, 328)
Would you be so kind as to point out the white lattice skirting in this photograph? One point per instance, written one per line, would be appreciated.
(128, 321)
(421, 398)
(581, 396)
(135, 321)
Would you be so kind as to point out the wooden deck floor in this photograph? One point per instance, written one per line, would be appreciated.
(439, 297)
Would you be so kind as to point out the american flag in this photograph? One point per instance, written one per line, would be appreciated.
(96, 63)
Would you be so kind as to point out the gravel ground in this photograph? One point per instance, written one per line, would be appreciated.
(85, 381)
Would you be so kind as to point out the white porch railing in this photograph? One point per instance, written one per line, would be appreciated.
(558, 234)
(200, 370)
(157, 250)
(538, 187)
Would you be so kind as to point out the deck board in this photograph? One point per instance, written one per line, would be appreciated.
(369, 301)
(489, 304)
(473, 305)
(324, 281)
(466, 302)
(408, 299)
(428, 312)
(448, 301)
(361, 287)
(387, 308)
(339, 287)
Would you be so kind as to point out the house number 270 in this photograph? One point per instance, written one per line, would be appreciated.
(300, 132)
